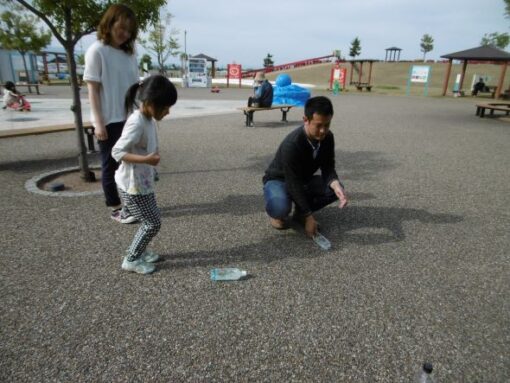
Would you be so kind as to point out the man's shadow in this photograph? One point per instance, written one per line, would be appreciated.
(360, 225)
(369, 225)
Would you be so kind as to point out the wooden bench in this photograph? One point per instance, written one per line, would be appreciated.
(87, 127)
(29, 86)
(488, 89)
(360, 85)
(250, 110)
(502, 107)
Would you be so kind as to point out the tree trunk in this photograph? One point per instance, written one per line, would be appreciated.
(26, 70)
(86, 174)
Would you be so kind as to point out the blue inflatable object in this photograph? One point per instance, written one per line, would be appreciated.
(285, 92)
(283, 80)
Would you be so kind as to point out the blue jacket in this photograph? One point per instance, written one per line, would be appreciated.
(264, 94)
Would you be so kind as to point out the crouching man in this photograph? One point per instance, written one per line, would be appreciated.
(290, 176)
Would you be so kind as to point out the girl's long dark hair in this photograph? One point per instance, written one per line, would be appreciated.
(156, 90)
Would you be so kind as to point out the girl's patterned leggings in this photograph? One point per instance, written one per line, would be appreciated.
(144, 208)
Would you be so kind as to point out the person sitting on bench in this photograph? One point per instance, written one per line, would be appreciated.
(479, 87)
(263, 92)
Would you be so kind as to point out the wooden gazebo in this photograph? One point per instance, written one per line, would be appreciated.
(211, 60)
(392, 54)
(483, 53)
(360, 72)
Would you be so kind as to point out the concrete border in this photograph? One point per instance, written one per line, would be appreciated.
(32, 185)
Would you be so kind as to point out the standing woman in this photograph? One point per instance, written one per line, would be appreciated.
(110, 69)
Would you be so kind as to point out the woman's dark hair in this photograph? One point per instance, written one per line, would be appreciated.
(113, 14)
(9, 85)
(156, 90)
(320, 105)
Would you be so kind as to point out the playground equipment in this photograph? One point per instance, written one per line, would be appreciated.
(295, 64)
(285, 93)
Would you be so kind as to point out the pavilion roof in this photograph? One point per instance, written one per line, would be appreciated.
(202, 56)
(483, 53)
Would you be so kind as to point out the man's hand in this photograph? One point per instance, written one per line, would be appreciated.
(340, 193)
(311, 226)
(152, 159)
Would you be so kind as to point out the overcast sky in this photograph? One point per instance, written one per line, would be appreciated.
(292, 30)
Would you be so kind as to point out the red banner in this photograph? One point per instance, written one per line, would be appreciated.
(234, 72)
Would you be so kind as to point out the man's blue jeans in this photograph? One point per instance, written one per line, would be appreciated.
(279, 201)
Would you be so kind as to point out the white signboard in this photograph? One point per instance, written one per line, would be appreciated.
(420, 73)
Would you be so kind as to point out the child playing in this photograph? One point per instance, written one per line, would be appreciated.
(13, 99)
(137, 150)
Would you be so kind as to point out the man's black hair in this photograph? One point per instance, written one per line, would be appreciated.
(320, 105)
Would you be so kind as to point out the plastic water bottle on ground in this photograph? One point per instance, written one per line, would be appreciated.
(425, 375)
(227, 274)
(322, 241)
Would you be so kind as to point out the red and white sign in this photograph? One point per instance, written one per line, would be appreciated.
(234, 72)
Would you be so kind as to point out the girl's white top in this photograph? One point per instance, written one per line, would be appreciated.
(139, 136)
(116, 70)
(10, 97)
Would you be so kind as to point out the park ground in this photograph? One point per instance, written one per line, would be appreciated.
(419, 269)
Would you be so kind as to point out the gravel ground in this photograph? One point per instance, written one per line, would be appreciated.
(419, 269)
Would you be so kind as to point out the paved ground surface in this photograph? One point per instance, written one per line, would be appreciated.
(419, 269)
(53, 106)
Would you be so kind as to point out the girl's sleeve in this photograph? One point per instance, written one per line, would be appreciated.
(131, 135)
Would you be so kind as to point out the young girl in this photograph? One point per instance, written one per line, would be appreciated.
(137, 150)
(13, 99)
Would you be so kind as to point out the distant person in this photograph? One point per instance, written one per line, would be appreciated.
(14, 99)
(290, 178)
(138, 152)
(263, 92)
(479, 87)
(110, 69)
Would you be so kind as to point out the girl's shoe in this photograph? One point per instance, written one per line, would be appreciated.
(138, 266)
(150, 256)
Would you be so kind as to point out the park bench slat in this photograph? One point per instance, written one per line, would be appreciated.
(250, 110)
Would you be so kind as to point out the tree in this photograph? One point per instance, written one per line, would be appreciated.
(507, 9)
(355, 48)
(268, 61)
(426, 44)
(146, 59)
(162, 41)
(69, 21)
(18, 31)
(498, 40)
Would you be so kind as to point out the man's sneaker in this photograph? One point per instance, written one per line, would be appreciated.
(150, 256)
(138, 266)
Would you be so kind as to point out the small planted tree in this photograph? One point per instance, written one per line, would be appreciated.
(18, 31)
(162, 41)
(145, 63)
(268, 61)
(426, 44)
(355, 49)
(498, 40)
